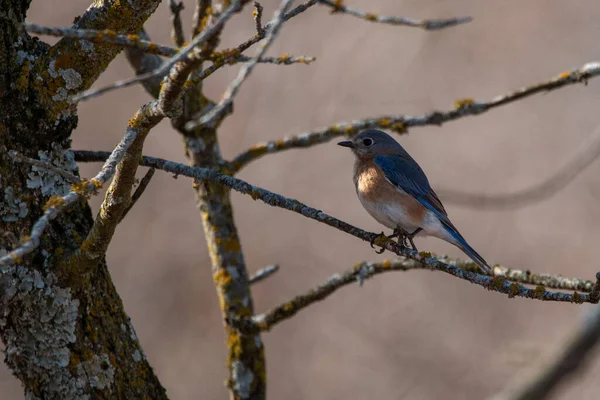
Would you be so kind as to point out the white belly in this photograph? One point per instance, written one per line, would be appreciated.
(393, 215)
(390, 215)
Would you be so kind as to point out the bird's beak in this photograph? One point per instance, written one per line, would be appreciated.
(346, 143)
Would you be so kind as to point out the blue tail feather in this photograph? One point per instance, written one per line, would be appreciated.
(462, 244)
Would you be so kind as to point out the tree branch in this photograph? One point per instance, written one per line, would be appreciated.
(218, 111)
(200, 16)
(263, 274)
(399, 123)
(183, 54)
(427, 24)
(257, 14)
(70, 177)
(104, 37)
(497, 283)
(177, 31)
(139, 191)
(359, 273)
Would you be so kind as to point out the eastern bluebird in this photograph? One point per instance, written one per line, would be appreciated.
(394, 190)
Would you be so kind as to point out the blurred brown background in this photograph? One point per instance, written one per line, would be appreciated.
(414, 335)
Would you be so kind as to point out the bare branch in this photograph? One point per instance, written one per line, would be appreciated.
(143, 63)
(200, 16)
(497, 284)
(585, 155)
(257, 14)
(143, 44)
(106, 37)
(139, 191)
(177, 31)
(263, 274)
(399, 123)
(230, 54)
(71, 178)
(575, 356)
(428, 24)
(218, 111)
(166, 66)
(359, 273)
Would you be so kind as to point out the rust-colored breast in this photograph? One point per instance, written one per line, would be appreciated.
(383, 200)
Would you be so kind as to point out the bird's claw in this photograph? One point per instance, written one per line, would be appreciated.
(373, 243)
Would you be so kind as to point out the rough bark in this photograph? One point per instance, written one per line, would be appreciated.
(66, 334)
(246, 359)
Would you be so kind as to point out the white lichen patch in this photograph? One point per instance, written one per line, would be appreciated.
(72, 78)
(100, 373)
(51, 69)
(48, 181)
(243, 379)
(12, 208)
(23, 55)
(86, 46)
(137, 356)
(61, 94)
(43, 318)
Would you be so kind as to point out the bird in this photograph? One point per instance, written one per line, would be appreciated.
(395, 191)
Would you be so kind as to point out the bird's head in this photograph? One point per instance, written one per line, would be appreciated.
(371, 143)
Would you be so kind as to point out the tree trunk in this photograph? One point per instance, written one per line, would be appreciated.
(67, 335)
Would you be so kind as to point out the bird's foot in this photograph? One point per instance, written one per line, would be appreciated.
(375, 239)
(405, 239)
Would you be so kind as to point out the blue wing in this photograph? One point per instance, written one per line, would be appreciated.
(404, 172)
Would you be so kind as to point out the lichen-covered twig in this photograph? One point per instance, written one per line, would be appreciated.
(365, 270)
(118, 195)
(139, 191)
(217, 111)
(428, 24)
(399, 123)
(581, 159)
(257, 14)
(263, 274)
(200, 16)
(167, 64)
(177, 30)
(497, 284)
(71, 178)
(143, 63)
(105, 36)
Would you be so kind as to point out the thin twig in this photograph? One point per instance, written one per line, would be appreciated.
(143, 63)
(257, 14)
(358, 274)
(581, 159)
(177, 32)
(497, 284)
(217, 111)
(106, 36)
(399, 123)
(263, 274)
(200, 16)
(428, 24)
(166, 66)
(284, 59)
(139, 191)
(70, 177)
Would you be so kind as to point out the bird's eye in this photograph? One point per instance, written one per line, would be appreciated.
(368, 142)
